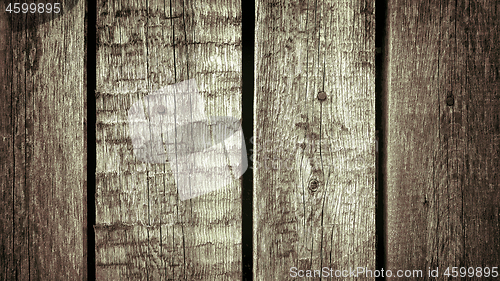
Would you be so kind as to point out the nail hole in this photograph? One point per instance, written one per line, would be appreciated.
(450, 100)
(322, 96)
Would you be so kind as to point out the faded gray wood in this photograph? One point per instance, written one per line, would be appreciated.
(43, 149)
(144, 231)
(443, 135)
(314, 161)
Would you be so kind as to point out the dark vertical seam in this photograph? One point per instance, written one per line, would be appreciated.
(190, 183)
(190, 97)
(90, 61)
(12, 120)
(175, 137)
(27, 31)
(435, 194)
(148, 183)
(305, 133)
(247, 117)
(323, 181)
(334, 214)
(381, 94)
(464, 236)
(163, 182)
(322, 90)
(320, 141)
(311, 159)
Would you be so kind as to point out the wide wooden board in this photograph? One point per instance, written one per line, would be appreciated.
(443, 136)
(314, 155)
(144, 230)
(42, 148)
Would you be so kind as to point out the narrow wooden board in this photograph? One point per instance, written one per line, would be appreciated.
(7, 266)
(443, 136)
(314, 161)
(144, 231)
(43, 151)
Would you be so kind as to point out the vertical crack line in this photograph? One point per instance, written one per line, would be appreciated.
(10, 60)
(381, 89)
(148, 184)
(90, 77)
(247, 116)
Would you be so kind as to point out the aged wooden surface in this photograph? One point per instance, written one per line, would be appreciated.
(144, 231)
(443, 135)
(314, 158)
(8, 270)
(42, 149)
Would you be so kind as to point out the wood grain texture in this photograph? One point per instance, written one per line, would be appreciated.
(143, 231)
(314, 161)
(43, 154)
(443, 135)
(7, 155)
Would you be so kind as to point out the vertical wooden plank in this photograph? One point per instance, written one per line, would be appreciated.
(414, 162)
(443, 183)
(7, 155)
(43, 147)
(144, 230)
(478, 113)
(22, 85)
(314, 155)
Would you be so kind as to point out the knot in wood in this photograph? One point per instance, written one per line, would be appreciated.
(313, 185)
(322, 96)
(450, 100)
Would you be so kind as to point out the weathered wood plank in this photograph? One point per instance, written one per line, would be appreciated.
(144, 230)
(43, 148)
(22, 86)
(7, 155)
(478, 113)
(443, 135)
(314, 158)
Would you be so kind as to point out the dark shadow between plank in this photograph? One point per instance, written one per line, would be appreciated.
(248, 43)
(380, 125)
(90, 64)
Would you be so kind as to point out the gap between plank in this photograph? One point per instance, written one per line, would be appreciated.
(91, 78)
(380, 129)
(248, 43)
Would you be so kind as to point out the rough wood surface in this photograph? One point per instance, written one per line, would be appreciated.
(443, 135)
(314, 159)
(144, 231)
(42, 149)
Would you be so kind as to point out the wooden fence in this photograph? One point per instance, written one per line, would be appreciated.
(357, 162)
